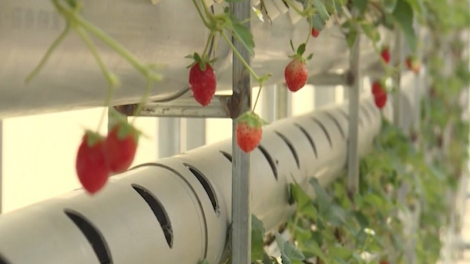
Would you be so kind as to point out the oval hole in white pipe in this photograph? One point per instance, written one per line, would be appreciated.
(337, 124)
(291, 147)
(269, 159)
(226, 155)
(207, 187)
(309, 138)
(93, 235)
(159, 212)
(324, 130)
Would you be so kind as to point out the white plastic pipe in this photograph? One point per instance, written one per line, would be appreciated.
(177, 210)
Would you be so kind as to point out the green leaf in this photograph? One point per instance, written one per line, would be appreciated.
(241, 33)
(361, 5)
(371, 32)
(289, 253)
(204, 261)
(321, 9)
(389, 6)
(336, 216)
(300, 196)
(267, 259)
(340, 252)
(257, 239)
(317, 22)
(403, 15)
(321, 196)
(301, 49)
(312, 247)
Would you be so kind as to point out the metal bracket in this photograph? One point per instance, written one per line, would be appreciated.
(220, 107)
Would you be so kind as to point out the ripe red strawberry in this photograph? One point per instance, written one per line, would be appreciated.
(315, 32)
(249, 131)
(296, 74)
(202, 81)
(385, 53)
(380, 100)
(90, 164)
(413, 64)
(120, 146)
(376, 88)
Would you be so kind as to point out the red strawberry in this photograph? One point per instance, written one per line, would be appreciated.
(380, 100)
(315, 32)
(296, 74)
(377, 88)
(202, 81)
(90, 164)
(248, 131)
(412, 63)
(120, 146)
(385, 54)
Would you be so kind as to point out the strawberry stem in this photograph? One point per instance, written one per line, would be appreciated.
(209, 38)
(84, 35)
(204, 21)
(257, 97)
(239, 56)
(77, 21)
(49, 51)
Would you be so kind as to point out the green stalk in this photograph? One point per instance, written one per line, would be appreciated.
(207, 44)
(239, 56)
(201, 15)
(49, 51)
(84, 35)
(290, 4)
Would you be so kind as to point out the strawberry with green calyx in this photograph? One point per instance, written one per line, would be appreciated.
(377, 87)
(296, 73)
(202, 80)
(413, 64)
(249, 131)
(385, 54)
(121, 146)
(90, 163)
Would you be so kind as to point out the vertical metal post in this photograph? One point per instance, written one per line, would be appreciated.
(354, 91)
(168, 137)
(195, 133)
(1, 166)
(397, 61)
(284, 108)
(241, 189)
(270, 110)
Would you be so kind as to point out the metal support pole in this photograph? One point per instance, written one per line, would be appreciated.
(270, 110)
(397, 61)
(168, 137)
(354, 91)
(1, 166)
(284, 99)
(241, 189)
(195, 133)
